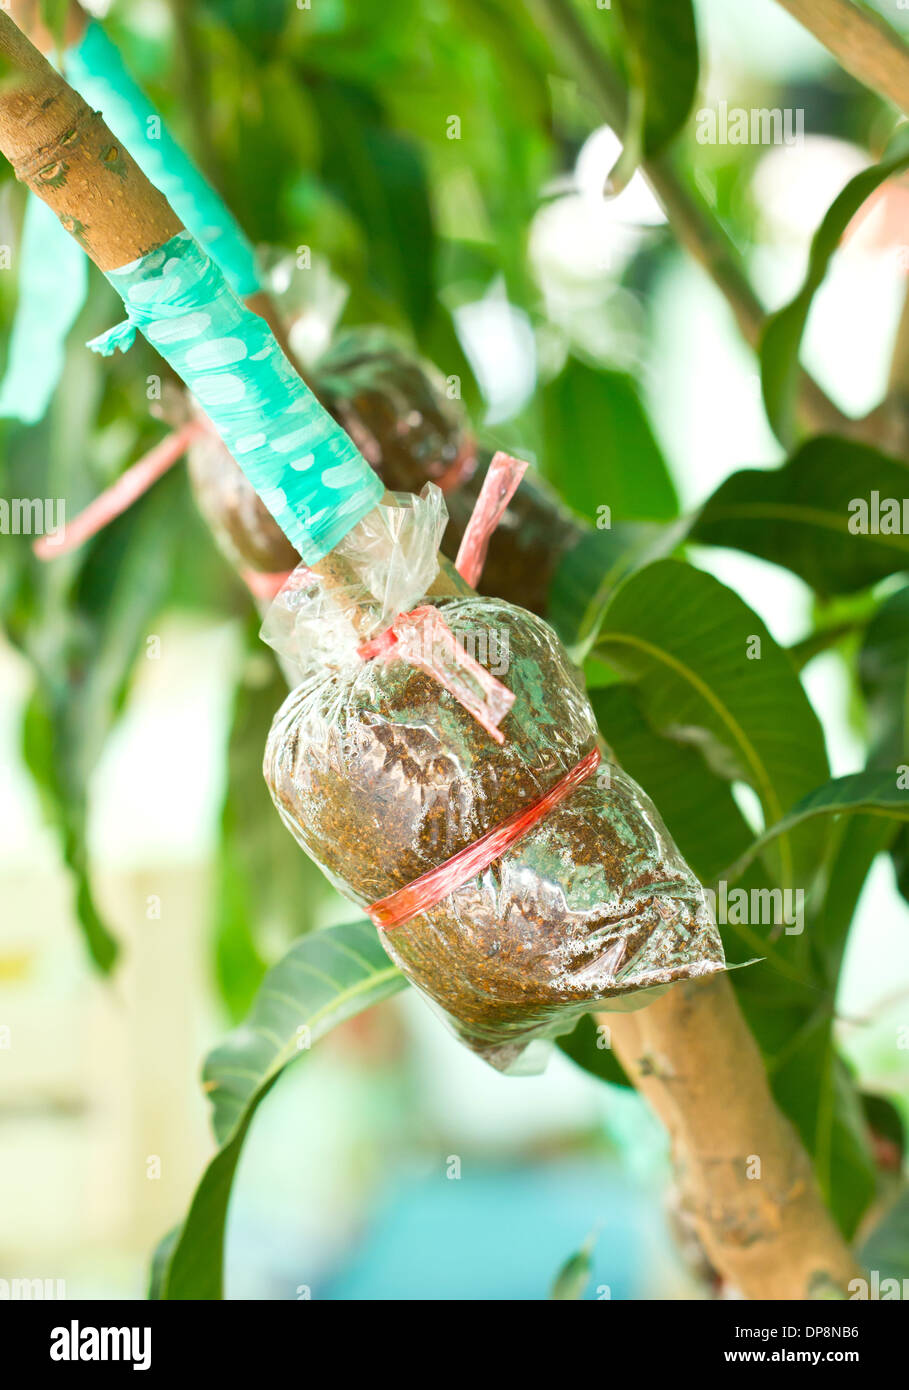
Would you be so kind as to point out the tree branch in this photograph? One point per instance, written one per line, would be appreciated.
(66, 155)
(747, 1182)
(861, 41)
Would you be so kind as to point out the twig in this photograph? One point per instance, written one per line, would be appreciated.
(861, 41)
(691, 220)
(63, 152)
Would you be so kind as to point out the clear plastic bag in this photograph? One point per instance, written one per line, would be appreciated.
(382, 775)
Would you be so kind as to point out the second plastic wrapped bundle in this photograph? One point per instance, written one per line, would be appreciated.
(389, 783)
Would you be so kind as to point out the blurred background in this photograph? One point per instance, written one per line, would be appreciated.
(135, 695)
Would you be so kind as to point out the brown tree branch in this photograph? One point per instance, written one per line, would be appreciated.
(861, 41)
(66, 155)
(746, 1181)
(27, 14)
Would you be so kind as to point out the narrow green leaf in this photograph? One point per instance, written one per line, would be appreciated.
(816, 1089)
(873, 793)
(884, 675)
(322, 981)
(820, 515)
(663, 62)
(572, 1279)
(779, 353)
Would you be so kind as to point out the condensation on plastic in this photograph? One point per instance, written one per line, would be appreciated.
(306, 470)
(381, 776)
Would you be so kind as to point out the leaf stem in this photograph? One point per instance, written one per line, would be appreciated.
(861, 41)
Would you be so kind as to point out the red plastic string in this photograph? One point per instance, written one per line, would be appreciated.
(499, 486)
(115, 500)
(430, 888)
(423, 638)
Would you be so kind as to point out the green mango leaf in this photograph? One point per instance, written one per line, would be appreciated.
(707, 673)
(322, 981)
(819, 515)
(599, 449)
(82, 680)
(884, 676)
(573, 1278)
(662, 55)
(782, 337)
(584, 1048)
(874, 793)
(816, 1090)
(67, 811)
(856, 842)
(792, 1023)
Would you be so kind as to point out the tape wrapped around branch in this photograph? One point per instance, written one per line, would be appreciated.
(307, 471)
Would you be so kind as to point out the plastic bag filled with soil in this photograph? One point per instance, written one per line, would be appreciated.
(382, 775)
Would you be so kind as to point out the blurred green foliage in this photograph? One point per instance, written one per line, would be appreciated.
(409, 147)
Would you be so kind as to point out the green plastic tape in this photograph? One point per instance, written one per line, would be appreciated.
(53, 279)
(95, 68)
(307, 471)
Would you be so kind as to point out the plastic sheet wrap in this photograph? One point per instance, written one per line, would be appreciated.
(381, 776)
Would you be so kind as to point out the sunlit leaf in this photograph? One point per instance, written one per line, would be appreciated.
(873, 793)
(819, 515)
(783, 334)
